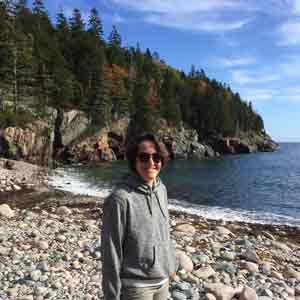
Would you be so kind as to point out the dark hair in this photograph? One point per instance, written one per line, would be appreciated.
(133, 148)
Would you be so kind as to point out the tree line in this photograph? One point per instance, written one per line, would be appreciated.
(71, 65)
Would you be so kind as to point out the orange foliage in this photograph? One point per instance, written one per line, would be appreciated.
(113, 77)
(151, 96)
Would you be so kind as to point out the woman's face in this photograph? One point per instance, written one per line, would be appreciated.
(148, 163)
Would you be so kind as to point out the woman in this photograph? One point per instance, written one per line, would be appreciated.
(137, 253)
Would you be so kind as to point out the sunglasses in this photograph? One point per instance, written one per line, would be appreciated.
(145, 157)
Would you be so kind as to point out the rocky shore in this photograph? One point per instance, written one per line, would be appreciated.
(50, 249)
(18, 175)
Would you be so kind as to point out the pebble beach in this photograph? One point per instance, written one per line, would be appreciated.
(50, 249)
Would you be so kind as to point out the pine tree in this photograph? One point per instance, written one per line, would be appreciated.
(171, 109)
(62, 22)
(142, 115)
(95, 24)
(76, 21)
(39, 8)
(114, 50)
(114, 38)
(16, 52)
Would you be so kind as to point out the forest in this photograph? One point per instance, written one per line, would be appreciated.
(70, 64)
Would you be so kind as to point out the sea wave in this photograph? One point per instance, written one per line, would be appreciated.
(229, 214)
(73, 182)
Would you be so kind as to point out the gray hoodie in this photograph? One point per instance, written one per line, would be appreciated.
(135, 236)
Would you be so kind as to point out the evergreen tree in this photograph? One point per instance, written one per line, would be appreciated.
(142, 117)
(114, 39)
(62, 22)
(76, 22)
(171, 109)
(95, 24)
(39, 8)
(114, 51)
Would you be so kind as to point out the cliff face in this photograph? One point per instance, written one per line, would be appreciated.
(68, 136)
(243, 143)
(33, 143)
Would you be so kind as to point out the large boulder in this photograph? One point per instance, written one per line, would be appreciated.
(73, 124)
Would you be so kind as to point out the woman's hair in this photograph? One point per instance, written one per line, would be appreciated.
(133, 148)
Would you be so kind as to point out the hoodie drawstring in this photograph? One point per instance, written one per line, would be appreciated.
(160, 206)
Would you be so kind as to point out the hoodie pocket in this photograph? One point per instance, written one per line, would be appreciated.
(160, 268)
(147, 260)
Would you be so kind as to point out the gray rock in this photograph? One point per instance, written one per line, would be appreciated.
(228, 255)
(177, 295)
(248, 294)
(185, 261)
(220, 291)
(6, 211)
(35, 275)
(63, 211)
(226, 267)
(209, 296)
(251, 267)
(204, 272)
(250, 255)
(266, 268)
(43, 245)
(289, 272)
(281, 246)
(186, 228)
(224, 231)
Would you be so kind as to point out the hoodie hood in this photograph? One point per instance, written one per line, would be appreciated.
(136, 182)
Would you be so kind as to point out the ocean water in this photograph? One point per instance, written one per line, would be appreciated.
(260, 187)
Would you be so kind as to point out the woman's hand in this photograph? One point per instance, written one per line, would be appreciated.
(172, 276)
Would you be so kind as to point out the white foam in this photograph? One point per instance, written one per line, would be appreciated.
(229, 214)
(72, 182)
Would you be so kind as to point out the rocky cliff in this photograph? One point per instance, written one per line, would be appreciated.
(68, 136)
(33, 143)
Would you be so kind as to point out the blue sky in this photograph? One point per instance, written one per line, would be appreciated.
(252, 45)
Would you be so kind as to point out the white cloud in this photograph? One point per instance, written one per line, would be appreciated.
(296, 6)
(116, 18)
(255, 94)
(236, 62)
(208, 15)
(242, 77)
(196, 15)
(178, 6)
(289, 33)
(195, 23)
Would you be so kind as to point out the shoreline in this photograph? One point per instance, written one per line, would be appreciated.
(28, 198)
